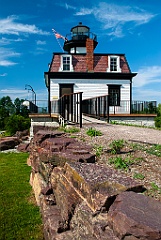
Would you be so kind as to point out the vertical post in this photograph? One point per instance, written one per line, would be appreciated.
(130, 96)
(99, 107)
(80, 109)
(108, 108)
(104, 110)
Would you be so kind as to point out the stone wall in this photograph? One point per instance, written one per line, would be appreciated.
(147, 120)
(81, 200)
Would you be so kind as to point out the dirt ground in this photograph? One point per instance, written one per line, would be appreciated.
(141, 152)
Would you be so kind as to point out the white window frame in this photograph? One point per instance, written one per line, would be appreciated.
(70, 66)
(118, 63)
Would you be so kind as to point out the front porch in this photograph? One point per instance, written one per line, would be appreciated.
(70, 109)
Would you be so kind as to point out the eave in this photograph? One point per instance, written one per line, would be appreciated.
(89, 75)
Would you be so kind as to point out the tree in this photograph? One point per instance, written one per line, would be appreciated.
(20, 108)
(6, 109)
(158, 118)
(6, 103)
(17, 123)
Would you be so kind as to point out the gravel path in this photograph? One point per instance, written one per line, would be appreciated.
(114, 132)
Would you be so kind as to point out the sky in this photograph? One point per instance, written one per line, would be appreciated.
(27, 42)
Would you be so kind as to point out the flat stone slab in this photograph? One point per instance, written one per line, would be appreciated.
(41, 135)
(135, 216)
(98, 184)
(58, 157)
(8, 143)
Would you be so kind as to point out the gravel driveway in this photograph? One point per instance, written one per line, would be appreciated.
(113, 132)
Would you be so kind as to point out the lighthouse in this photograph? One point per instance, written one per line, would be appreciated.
(76, 40)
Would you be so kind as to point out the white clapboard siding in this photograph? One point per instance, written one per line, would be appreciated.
(90, 87)
(125, 92)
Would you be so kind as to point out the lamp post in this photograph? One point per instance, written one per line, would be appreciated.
(28, 87)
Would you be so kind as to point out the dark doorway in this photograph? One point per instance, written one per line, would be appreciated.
(65, 89)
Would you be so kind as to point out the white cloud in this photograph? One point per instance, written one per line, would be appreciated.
(24, 94)
(7, 41)
(85, 11)
(13, 93)
(5, 55)
(6, 63)
(9, 26)
(147, 75)
(3, 74)
(39, 42)
(114, 17)
(69, 6)
(146, 95)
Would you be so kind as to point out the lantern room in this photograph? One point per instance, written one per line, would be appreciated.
(76, 40)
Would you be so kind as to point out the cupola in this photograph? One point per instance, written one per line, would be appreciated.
(76, 40)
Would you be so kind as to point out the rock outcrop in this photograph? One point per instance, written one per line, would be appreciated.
(8, 143)
(80, 199)
(18, 141)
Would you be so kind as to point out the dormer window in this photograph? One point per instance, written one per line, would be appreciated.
(114, 64)
(66, 63)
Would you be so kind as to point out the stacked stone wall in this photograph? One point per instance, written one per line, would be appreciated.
(80, 199)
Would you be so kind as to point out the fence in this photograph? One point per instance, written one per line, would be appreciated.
(40, 107)
(100, 107)
(97, 106)
(70, 107)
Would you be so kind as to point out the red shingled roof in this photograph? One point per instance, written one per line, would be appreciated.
(80, 65)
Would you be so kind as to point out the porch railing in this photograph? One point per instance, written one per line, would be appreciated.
(100, 107)
(69, 107)
(97, 106)
(144, 107)
(40, 107)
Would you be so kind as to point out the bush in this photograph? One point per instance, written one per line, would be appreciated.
(158, 122)
(93, 132)
(116, 146)
(17, 123)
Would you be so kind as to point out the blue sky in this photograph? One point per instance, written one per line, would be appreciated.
(27, 42)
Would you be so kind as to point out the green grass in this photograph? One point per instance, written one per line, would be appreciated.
(124, 164)
(138, 176)
(70, 129)
(19, 216)
(154, 149)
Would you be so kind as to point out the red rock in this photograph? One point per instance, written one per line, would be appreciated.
(136, 216)
(23, 147)
(98, 184)
(66, 196)
(8, 143)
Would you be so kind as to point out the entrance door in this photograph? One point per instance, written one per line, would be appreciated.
(65, 89)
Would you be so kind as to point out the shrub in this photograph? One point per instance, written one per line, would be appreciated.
(98, 150)
(17, 123)
(118, 162)
(116, 146)
(158, 122)
(93, 132)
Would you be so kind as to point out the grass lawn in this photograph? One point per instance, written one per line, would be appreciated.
(19, 216)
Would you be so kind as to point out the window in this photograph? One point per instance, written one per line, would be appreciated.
(114, 64)
(114, 95)
(66, 63)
